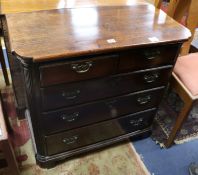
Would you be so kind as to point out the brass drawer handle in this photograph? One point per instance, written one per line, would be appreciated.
(82, 67)
(144, 100)
(70, 140)
(136, 122)
(152, 54)
(150, 78)
(71, 117)
(71, 95)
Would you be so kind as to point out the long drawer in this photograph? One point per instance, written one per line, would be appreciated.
(85, 91)
(148, 57)
(84, 136)
(81, 115)
(99, 66)
(85, 68)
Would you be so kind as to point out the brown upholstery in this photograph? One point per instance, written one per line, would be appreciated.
(186, 69)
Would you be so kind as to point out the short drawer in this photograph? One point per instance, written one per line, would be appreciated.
(148, 57)
(79, 116)
(78, 70)
(86, 91)
(84, 136)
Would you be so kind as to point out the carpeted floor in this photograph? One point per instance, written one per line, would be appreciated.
(124, 156)
(117, 160)
(122, 153)
(120, 159)
(172, 161)
(166, 116)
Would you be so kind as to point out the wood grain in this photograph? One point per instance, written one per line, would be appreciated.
(54, 34)
(15, 6)
(78, 116)
(97, 132)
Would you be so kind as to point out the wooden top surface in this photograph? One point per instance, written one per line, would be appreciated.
(47, 35)
(15, 6)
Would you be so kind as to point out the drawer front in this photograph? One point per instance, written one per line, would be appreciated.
(95, 112)
(148, 57)
(86, 91)
(84, 136)
(78, 70)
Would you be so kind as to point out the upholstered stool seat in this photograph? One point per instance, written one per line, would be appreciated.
(186, 69)
(184, 80)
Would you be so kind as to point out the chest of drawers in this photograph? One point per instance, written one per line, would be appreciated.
(95, 80)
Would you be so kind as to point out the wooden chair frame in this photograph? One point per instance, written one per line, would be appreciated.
(188, 99)
(177, 9)
(6, 145)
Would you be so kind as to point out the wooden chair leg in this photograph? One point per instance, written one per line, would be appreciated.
(179, 122)
(10, 157)
(172, 7)
(191, 24)
(158, 3)
(179, 88)
(3, 108)
(181, 8)
(3, 65)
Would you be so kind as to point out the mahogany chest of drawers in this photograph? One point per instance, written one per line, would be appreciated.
(93, 76)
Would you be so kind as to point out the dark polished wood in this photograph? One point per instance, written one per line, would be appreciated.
(97, 132)
(86, 68)
(81, 115)
(16, 72)
(18, 6)
(93, 37)
(86, 91)
(64, 35)
(149, 57)
(83, 76)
